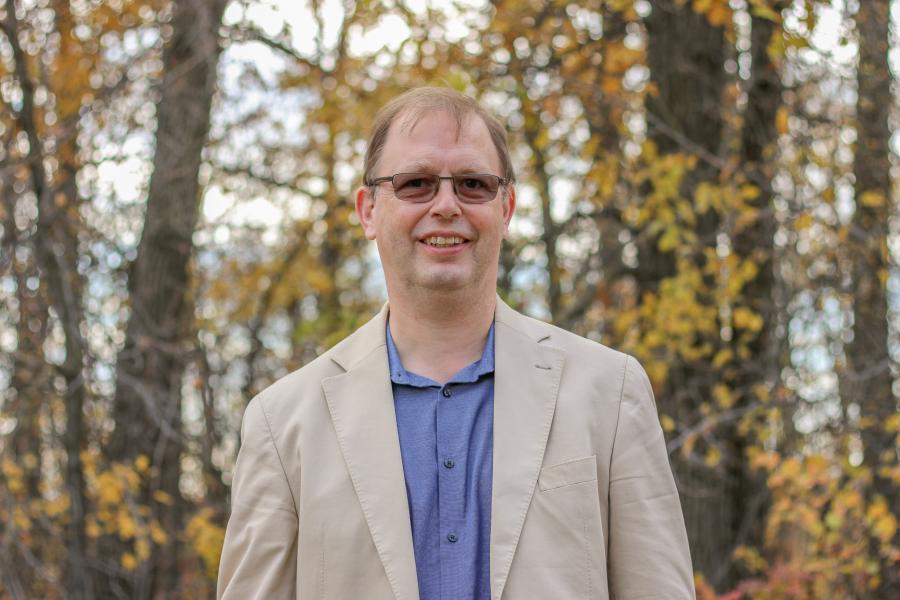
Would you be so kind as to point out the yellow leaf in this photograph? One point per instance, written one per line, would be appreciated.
(57, 506)
(713, 456)
(157, 534)
(744, 318)
(162, 497)
(762, 391)
(669, 239)
(803, 221)
(667, 423)
(781, 121)
(892, 424)
(129, 562)
(688, 445)
(110, 489)
(764, 12)
(834, 521)
(885, 528)
(723, 395)
(790, 468)
(877, 510)
(762, 459)
(872, 198)
(722, 357)
(719, 15)
(92, 529)
(206, 537)
(751, 557)
(142, 547)
(141, 463)
(21, 520)
(125, 525)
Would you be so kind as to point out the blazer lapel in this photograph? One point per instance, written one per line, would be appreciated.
(362, 409)
(526, 382)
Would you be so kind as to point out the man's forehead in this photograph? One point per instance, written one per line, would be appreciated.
(407, 121)
(473, 151)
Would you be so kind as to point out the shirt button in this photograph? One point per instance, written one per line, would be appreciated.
(446, 392)
(451, 537)
(448, 462)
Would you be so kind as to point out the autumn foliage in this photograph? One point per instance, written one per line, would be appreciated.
(708, 185)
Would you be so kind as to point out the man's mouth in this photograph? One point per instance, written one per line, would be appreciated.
(443, 242)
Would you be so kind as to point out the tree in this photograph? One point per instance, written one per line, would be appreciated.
(757, 350)
(867, 380)
(687, 149)
(56, 252)
(150, 366)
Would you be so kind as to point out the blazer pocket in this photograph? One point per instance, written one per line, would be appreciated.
(570, 472)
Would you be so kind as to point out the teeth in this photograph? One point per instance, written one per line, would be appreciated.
(443, 241)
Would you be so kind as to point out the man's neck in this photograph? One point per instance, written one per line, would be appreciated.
(437, 339)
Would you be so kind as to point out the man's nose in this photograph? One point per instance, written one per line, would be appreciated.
(445, 202)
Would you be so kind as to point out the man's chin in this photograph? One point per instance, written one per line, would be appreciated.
(446, 281)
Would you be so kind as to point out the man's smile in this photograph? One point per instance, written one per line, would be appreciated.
(443, 242)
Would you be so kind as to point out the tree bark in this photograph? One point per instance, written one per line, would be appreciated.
(758, 354)
(685, 116)
(56, 251)
(147, 407)
(866, 379)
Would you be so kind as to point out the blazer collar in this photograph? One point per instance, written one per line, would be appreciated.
(526, 382)
(361, 404)
(360, 400)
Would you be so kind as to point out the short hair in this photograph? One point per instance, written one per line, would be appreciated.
(423, 100)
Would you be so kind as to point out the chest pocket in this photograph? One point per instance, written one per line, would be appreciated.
(561, 552)
(568, 473)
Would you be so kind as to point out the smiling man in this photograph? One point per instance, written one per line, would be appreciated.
(452, 448)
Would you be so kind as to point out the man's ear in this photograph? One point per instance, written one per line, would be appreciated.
(365, 210)
(509, 207)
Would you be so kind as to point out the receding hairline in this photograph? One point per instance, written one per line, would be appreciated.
(409, 117)
(409, 108)
(407, 120)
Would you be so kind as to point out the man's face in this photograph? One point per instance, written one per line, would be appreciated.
(406, 233)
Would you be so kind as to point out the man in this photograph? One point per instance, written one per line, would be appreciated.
(452, 448)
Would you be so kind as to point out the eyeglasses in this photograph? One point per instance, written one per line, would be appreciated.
(471, 188)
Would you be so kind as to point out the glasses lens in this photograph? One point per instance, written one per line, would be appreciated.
(476, 188)
(415, 187)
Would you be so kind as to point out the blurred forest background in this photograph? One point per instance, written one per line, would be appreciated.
(710, 185)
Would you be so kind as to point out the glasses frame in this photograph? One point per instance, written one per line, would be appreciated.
(501, 182)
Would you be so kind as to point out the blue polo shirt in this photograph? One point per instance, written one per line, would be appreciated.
(447, 447)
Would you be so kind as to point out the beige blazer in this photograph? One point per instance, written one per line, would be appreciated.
(584, 504)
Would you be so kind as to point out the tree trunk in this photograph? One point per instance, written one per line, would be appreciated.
(685, 116)
(56, 252)
(866, 379)
(28, 384)
(757, 354)
(147, 409)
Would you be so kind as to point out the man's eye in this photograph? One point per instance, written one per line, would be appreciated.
(415, 183)
(472, 184)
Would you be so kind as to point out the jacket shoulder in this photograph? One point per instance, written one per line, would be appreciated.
(573, 344)
(308, 376)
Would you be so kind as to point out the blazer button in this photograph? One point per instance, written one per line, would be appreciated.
(448, 462)
(451, 537)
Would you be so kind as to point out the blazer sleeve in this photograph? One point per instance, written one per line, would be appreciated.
(648, 547)
(259, 555)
